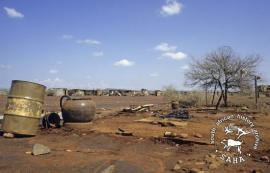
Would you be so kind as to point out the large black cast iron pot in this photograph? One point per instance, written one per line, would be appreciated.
(77, 109)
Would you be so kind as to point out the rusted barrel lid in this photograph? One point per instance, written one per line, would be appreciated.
(28, 90)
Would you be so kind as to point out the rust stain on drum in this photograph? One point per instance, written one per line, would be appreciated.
(24, 107)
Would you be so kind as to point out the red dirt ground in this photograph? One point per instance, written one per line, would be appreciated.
(94, 147)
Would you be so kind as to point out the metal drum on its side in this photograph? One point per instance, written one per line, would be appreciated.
(24, 107)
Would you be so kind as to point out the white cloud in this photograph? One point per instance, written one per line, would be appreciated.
(98, 54)
(67, 36)
(165, 47)
(172, 7)
(89, 41)
(53, 71)
(124, 62)
(50, 81)
(5, 67)
(153, 74)
(13, 13)
(170, 51)
(55, 82)
(185, 67)
(175, 55)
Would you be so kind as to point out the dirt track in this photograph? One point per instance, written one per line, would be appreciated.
(95, 147)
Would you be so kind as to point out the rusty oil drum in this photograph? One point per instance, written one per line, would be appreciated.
(24, 107)
(77, 110)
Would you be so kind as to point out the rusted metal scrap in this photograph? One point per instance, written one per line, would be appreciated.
(178, 140)
(178, 114)
(123, 132)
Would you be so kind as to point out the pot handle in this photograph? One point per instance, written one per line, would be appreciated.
(61, 100)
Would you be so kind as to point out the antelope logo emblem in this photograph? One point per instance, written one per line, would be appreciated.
(228, 143)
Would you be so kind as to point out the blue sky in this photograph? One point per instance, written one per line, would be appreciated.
(124, 43)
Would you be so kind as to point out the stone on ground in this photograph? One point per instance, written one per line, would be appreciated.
(8, 135)
(109, 169)
(39, 149)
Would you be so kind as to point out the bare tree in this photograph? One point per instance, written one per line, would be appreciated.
(224, 69)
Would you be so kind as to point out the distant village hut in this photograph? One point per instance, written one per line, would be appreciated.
(76, 92)
(137, 93)
(56, 92)
(89, 92)
(118, 93)
(158, 93)
(126, 92)
(98, 92)
(144, 92)
(263, 88)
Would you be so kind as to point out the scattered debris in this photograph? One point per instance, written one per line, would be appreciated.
(28, 152)
(183, 135)
(179, 140)
(179, 161)
(198, 135)
(162, 122)
(123, 132)
(142, 108)
(195, 170)
(181, 114)
(214, 165)
(39, 149)
(171, 123)
(210, 110)
(264, 158)
(75, 135)
(169, 134)
(244, 108)
(8, 135)
(177, 167)
(109, 169)
(212, 161)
